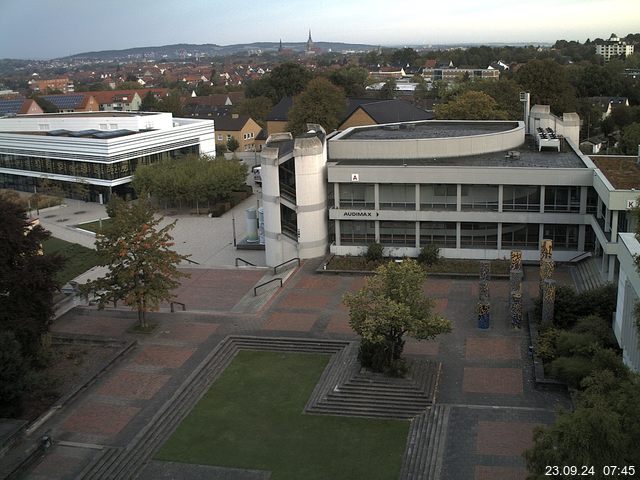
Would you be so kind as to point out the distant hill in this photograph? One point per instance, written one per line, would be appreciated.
(182, 50)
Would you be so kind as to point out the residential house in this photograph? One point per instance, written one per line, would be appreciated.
(613, 47)
(19, 106)
(367, 111)
(278, 116)
(73, 102)
(607, 104)
(241, 127)
(63, 85)
(118, 100)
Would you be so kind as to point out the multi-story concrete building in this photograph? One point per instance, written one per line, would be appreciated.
(613, 47)
(475, 189)
(63, 85)
(100, 150)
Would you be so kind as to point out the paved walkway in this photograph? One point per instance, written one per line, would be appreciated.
(209, 241)
(486, 377)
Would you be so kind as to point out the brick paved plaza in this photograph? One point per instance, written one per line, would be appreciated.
(486, 376)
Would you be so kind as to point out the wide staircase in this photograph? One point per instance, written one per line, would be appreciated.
(586, 274)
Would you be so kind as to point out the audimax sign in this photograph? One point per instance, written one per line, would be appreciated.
(360, 213)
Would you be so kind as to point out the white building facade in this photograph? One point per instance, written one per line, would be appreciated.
(99, 149)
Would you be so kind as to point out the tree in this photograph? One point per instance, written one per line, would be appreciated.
(602, 430)
(149, 103)
(233, 144)
(257, 108)
(171, 103)
(27, 282)
(352, 79)
(390, 305)
(548, 83)
(289, 79)
(471, 105)
(45, 105)
(143, 270)
(504, 91)
(14, 375)
(630, 140)
(388, 90)
(321, 102)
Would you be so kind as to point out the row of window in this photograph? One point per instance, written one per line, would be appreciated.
(443, 234)
(96, 170)
(473, 197)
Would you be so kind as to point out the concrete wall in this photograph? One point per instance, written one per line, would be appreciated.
(157, 121)
(568, 126)
(347, 148)
(624, 326)
(311, 196)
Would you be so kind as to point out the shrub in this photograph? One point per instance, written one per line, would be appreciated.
(14, 375)
(546, 347)
(571, 370)
(374, 252)
(597, 327)
(375, 357)
(429, 254)
(572, 343)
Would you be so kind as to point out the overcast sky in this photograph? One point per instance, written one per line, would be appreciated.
(42, 29)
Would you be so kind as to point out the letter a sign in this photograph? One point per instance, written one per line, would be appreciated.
(355, 177)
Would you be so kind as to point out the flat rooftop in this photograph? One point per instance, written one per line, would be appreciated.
(87, 114)
(529, 157)
(428, 129)
(623, 172)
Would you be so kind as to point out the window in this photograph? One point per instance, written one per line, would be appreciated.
(592, 200)
(520, 198)
(220, 137)
(480, 197)
(398, 234)
(440, 234)
(562, 199)
(479, 235)
(353, 232)
(565, 237)
(356, 195)
(398, 196)
(520, 235)
(438, 197)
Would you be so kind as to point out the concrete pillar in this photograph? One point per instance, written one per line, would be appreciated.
(582, 235)
(336, 195)
(583, 200)
(336, 226)
(500, 201)
(499, 234)
(542, 194)
(612, 268)
(614, 226)
(540, 234)
(459, 198)
(377, 231)
(607, 220)
(417, 197)
(376, 196)
(458, 229)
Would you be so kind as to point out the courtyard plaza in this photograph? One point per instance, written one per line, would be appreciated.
(485, 382)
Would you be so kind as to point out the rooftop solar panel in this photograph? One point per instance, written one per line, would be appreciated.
(10, 106)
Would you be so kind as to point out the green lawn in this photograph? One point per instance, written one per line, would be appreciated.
(252, 417)
(94, 226)
(78, 259)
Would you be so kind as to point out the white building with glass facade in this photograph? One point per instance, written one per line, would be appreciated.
(98, 149)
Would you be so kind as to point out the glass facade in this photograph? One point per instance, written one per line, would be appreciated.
(565, 237)
(354, 195)
(441, 234)
(398, 196)
(562, 199)
(520, 235)
(480, 197)
(357, 233)
(520, 198)
(438, 197)
(479, 235)
(85, 169)
(398, 234)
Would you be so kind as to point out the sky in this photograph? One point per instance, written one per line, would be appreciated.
(44, 29)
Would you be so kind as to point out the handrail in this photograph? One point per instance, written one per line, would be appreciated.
(579, 257)
(184, 307)
(243, 260)
(275, 269)
(191, 261)
(255, 289)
